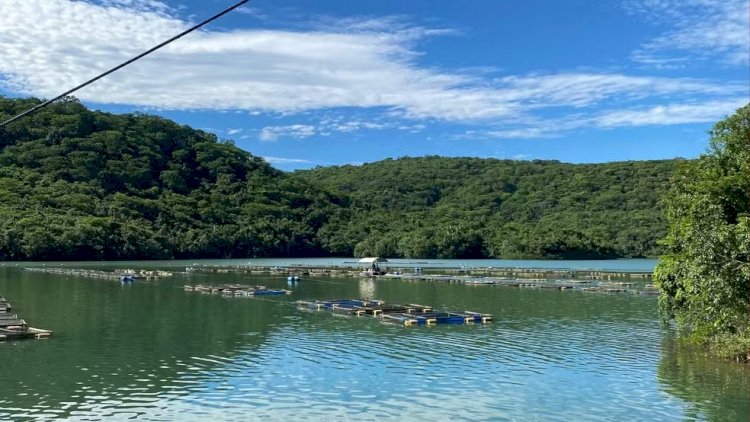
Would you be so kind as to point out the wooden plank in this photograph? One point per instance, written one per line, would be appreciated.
(4, 323)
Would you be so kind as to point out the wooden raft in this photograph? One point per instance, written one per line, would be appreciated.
(236, 290)
(12, 327)
(407, 315)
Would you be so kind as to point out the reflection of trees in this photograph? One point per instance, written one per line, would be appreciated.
(716, 390)
(114, 341)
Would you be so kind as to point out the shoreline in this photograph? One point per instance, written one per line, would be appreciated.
(357, 270)
(608, 267)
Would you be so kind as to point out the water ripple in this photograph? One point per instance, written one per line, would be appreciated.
(548, 356)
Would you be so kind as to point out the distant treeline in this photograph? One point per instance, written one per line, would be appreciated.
(81, 184)
(436, 207)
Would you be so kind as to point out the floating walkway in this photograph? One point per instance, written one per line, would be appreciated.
(355, 270)
(124, 275)
(559, 284)
(12, 327)
(407, 315)
(236, 290)
(579, 280)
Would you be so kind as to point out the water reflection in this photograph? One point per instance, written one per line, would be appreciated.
(634, 265)
(367, 288)
(714, 390)
(156, 352)
(115, 347)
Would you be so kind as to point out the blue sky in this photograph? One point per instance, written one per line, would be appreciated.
(344, 82)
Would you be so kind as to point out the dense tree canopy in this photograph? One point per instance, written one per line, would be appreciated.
(705, 276)
(77, 184)
(471, 208)
(81, 184)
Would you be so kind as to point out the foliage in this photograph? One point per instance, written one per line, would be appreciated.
(704, 278)
(437, 207)
(82, 184)
(712, 390)
(79, 184)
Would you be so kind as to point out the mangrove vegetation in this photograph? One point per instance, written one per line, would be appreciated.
(704, 277)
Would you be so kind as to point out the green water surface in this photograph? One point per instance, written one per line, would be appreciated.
(153, 351)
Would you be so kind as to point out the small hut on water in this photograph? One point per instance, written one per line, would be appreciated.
(374, 265)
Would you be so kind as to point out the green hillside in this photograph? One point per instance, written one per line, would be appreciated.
(81, 184)
(472, 208)
(78, 184)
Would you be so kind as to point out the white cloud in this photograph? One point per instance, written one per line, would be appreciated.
(143, 5)
(231, 132)
(670, 114)
(48, 45)
(518, 133)
(252, 11)
(325, 126)
(351, 126)
(708, 29)
(659, 115)
(280, 160)
(585, 89)
(272, 133)
(415, 128)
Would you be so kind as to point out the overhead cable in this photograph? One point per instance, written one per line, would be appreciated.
(120, 66)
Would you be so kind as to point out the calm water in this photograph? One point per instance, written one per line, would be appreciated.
(625, 265)
(155, 352)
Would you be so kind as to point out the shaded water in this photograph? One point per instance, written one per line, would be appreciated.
(154, 351)
(624, 265)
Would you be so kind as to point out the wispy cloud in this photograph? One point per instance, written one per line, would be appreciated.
(327, 125)
(353, 125)
(49, 45)
(353, 63)
(531, 132)
(252, 11)
(280, 160)
(669, 114)
(657, 115)
(141, 5)
(272, 133)
(694, 29)
(581, 89)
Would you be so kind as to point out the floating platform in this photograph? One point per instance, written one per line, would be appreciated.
(236, 290)
(123, 275)
(13, 327)
(407, 315)
(353, 268)
(570, 280)
(28, 333)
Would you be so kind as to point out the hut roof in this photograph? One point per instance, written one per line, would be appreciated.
(372, 259)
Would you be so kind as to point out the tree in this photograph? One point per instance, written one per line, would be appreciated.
(704, 279)
(80, 184)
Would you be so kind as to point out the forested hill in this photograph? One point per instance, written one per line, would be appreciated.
(472, 208)
(80, 184)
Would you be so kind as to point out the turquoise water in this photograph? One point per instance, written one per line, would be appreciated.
(625, 265)
(153, 351)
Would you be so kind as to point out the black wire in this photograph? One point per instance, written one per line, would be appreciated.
(120, 66)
